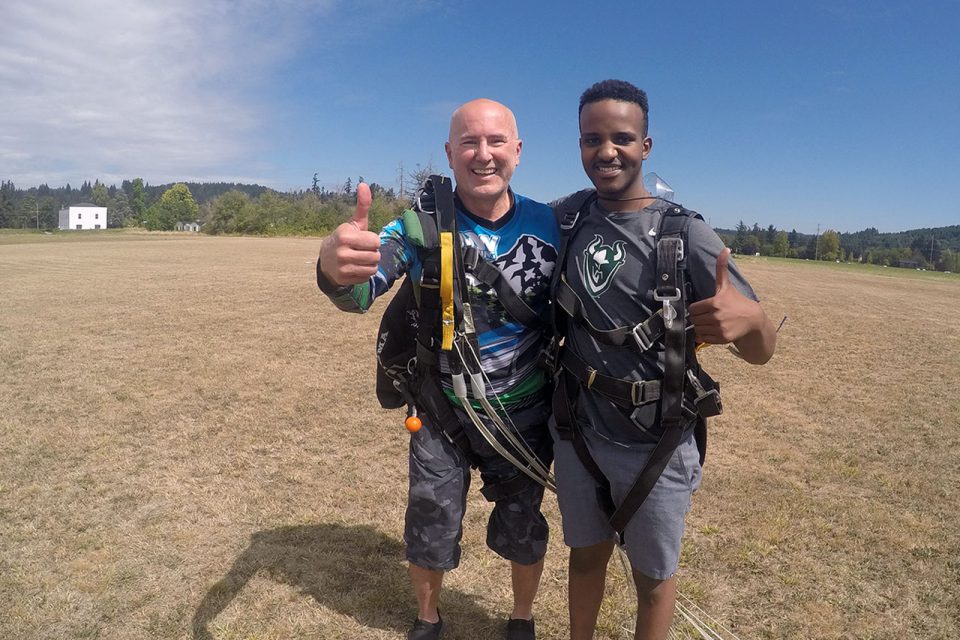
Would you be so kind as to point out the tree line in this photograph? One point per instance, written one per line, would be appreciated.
(219, 207)
(229, 208)
(934, 249)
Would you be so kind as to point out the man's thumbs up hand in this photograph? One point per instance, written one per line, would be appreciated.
(728, 315)
(351, 253)
(723, 275)
(364, 199)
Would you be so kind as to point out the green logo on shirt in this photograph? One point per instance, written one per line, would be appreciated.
(600, 263)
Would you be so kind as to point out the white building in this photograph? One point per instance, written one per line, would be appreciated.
(83, 216)
(188, 226)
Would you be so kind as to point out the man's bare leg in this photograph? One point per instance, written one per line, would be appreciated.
(588, 574)
(426, 587)
(656, 601)
(526, 580)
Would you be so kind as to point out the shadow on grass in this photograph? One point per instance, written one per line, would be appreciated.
(355, 570)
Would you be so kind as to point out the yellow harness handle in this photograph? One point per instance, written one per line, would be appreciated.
(446, 289)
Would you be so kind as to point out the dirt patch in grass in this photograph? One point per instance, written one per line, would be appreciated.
(191, 448)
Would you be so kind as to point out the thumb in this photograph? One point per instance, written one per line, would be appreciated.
(723, 276)
(364, 198)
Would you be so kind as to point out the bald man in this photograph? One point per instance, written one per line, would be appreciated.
(520, 237)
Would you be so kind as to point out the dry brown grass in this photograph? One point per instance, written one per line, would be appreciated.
(191, 449)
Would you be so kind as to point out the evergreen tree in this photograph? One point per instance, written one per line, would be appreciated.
(138, 198)
(741, 238)
(99, 195)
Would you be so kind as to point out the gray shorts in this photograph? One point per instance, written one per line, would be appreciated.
(440, 479)
(652, 537)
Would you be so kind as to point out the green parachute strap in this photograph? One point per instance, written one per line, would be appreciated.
(421, 229)
(413, 227)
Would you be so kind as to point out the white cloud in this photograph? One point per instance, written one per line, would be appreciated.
(115, 89)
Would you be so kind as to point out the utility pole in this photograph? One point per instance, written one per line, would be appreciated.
(816, 251)
(931, 250)
(38, 215)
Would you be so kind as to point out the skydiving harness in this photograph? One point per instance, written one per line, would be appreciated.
(685, 392)
(438, 310)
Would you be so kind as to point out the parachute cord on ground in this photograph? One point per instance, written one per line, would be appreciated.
(511, 433)
(685, 608)
(691, 607)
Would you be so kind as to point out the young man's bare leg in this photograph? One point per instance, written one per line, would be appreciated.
(526, 580)
(588, 573)
(426, 586)
(656, 601)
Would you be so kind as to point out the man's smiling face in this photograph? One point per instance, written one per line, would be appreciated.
(613, 146)
(483, 151)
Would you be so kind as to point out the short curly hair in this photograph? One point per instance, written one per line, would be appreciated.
(617, 90)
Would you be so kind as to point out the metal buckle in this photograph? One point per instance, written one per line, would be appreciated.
(636, 392)
(709, 404)
(591, 376)
(669, 313)
(569, 221)
(671, 297)
(424, 196)
(643, 340)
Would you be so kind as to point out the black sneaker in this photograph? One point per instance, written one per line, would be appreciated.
(423, 630)
(519, 629)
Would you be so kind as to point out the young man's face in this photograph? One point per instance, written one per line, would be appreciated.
(483, 151)
(613, 146)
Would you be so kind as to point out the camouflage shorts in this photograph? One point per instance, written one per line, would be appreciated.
(440, 479)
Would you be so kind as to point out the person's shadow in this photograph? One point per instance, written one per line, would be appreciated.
(355, 570)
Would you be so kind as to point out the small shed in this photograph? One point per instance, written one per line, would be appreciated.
(192, 227)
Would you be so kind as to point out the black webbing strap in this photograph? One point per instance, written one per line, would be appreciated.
(574, 209)
(491, 276)
(671, 291)
(564, 396)
(642, 335)
(429, 395)
(626, 393)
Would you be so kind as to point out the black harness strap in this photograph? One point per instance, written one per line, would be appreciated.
(428, 393)
(672, 293)
(491, 276)
(564, 399)
(642, 335)
(574, 209)
(670, 323)
(625, 393)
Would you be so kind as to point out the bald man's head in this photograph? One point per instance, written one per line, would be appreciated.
(481, 107)
(483, 150)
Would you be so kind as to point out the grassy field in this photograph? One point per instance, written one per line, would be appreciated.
(190, 448)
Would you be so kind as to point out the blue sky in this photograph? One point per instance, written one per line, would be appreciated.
(833, 113)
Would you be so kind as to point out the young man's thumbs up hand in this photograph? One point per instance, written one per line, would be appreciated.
(728, 315)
